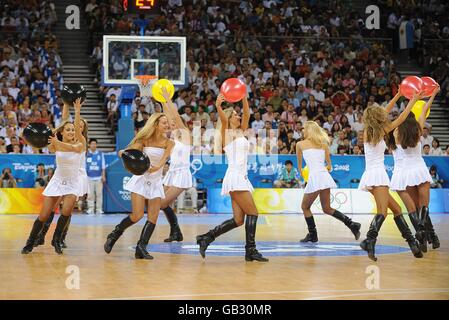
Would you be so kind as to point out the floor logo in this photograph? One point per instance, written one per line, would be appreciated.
(276, 249)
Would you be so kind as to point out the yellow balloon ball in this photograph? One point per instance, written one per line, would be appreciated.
(305, 173)
(156, 90)
(417, 109)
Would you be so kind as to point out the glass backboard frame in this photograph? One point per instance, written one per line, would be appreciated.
(139, 39)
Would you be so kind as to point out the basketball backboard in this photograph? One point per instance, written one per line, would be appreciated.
(127, 56)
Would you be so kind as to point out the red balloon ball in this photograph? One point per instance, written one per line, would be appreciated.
(233, 90)
(428, 86)
(410, 86)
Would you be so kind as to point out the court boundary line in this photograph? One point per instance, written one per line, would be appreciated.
(371, 292)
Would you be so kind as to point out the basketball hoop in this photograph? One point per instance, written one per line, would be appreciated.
(145, 83)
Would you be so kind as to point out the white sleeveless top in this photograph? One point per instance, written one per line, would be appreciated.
(375, 173)
(180, 156)
(319, 177)
(66, 179)
(237, 154)
(236, 177)
(375, 155)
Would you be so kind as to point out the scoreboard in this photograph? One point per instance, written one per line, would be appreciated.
(142, 6)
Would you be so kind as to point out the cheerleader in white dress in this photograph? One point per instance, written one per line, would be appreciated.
(83, 126)
(375, 178)
(178, 178)
(68, 145)
(398, 184)
(147, 188)
(235, 182)
(416, 176)
(315, 150)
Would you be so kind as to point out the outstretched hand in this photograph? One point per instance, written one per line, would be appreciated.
(77, 104)
(165, 94)
(220, 99)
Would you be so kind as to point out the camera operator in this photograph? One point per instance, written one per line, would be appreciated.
(7, 180)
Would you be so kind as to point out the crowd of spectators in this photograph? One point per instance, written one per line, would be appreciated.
(30, 71)
(300, 61)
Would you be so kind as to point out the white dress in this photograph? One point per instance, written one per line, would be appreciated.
(149, 185)
(397, 179)
(236, 177)
(178, 174)
(66, 179)
(319, 177)
(416, 171)
(83, 176)
(375, 173)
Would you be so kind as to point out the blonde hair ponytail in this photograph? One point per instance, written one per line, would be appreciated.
(148, 129)
(316, 134)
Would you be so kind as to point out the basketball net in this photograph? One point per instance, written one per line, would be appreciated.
(145, 83)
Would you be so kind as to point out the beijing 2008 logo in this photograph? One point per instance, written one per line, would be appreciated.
(126, 195)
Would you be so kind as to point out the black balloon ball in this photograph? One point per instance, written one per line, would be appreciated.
(71, 92)
(37, 134)
(135, 161)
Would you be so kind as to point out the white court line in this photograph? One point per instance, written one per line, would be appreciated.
(398, 290)
(376, 292)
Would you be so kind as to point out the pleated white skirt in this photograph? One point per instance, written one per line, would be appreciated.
(61, 186)
(374, 178)
(84, 183)
(235, 180)
(146, 186)
(180, 178)
(319, 180)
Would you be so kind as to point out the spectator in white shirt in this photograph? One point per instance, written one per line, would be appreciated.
(329, 123)
(426, 150)
(435, 150)
(351, 115)
(426, 138)
(112, 107)
(317, 93)
(258, 123)
(358, 126)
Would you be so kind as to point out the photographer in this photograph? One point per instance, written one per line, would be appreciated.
(288, 177)
(7, 180)
(40, 176)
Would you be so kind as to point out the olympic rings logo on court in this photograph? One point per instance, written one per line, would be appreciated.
(337, 200)
(274, 249)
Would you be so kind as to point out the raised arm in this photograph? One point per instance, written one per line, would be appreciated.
(222, 116)
(78, 133)
(65, 113)
(393, 101)
(422, 116)
(165, 156)
(394, 124)
(245, 115)
(171, 111)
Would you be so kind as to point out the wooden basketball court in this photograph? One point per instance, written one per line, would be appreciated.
(332, 269)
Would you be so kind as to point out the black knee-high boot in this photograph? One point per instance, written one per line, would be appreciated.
(141, 248)
(204, 240)
(312, 236)
(116, 233)
(353, 226)
(175, 231)
(251, 252)
(407, 235)
(420, 236)
(369, 243)
(37, 227)
(431, 234)
(64, 233)
(40, 240)
(57, 236)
